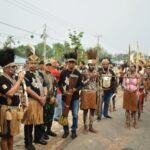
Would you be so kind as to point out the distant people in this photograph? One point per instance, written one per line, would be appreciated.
(82, 66)
(121, 74)
(141, 90)
(113, 97)
(147, 79)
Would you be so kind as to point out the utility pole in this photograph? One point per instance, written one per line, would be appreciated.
(98, 39)
(98, 46)
(44, 36)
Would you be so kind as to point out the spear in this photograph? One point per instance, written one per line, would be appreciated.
(137, 57)
(129, 54)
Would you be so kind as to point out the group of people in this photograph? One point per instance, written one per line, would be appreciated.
(43, 92)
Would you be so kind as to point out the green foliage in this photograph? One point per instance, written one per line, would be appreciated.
(40, 50)
(21, 50)
(75, 39)
(58, 51)
(75, 44)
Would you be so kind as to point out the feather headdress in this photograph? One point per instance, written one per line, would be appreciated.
(91, 55)
(72, 56)
(7, 57)
(31, 55)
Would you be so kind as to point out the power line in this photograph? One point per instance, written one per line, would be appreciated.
(25, 8)
(33, 10)
(22, 29)
(18, 28)
(30, 8)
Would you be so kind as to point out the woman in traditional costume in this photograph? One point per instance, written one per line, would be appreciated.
(131, 85)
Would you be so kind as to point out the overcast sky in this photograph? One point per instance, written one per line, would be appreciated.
(117, 22)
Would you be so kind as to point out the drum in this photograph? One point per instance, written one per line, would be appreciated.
(88, 99)
(147, 84)
(72, 81)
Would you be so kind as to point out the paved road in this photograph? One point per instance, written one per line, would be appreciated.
(112, 135)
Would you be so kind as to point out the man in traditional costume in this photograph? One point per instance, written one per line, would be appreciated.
(108, 84)
(37, 93)
(88, 94)
(70, 84)
(9, 99)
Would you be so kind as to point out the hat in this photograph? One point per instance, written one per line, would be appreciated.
(91, 55)
(52, 60)
(72, 56)
(41, 62)
(33, 59)
(7, 57)
(48, 63)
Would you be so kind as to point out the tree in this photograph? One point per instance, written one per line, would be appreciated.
(21, 50)
(75, 39)
(75, 44)
(40, 50)
(58, 51)
(9, 42)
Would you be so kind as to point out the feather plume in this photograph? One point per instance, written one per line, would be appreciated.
(30, 50)
(91, 53)
(7, 56)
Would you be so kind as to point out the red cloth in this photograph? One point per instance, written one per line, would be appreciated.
(56, 73)
(141, 96)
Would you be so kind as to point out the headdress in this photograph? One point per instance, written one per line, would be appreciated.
(71, 56)
(105, 60)
(66, 57)
(31, 56)
(7, 57)
(147, 64)
(91, 55)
